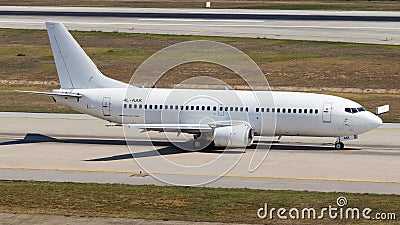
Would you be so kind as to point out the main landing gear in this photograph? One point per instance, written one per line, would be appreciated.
(339, 145)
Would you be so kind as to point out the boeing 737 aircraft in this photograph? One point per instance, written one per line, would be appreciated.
(85, 89)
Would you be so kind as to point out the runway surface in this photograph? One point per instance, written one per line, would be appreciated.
(354, 26)
(80, 148)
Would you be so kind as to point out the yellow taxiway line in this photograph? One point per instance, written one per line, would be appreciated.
(210, 175)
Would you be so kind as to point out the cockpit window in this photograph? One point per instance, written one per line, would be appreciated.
(354, 110)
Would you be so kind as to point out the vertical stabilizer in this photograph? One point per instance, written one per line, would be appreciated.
(74, 67)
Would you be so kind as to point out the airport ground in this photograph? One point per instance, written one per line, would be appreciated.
(54, 147)
(390, 5)
(58, 149)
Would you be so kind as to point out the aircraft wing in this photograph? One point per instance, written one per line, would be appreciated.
(184, 128)
(51, 93)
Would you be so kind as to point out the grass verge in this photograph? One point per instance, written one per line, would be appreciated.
(175, 203)
(25, 55)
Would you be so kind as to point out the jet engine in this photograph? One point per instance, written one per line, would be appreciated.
(238, 135)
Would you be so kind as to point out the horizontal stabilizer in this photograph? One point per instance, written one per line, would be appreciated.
(51, 93)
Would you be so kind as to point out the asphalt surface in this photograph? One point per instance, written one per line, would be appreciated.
(203, 15)
(355, 26)
(80, 148)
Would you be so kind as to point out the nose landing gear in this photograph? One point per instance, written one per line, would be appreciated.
(339, 145)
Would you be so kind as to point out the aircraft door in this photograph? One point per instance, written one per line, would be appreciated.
(106, 106)
(326, 113)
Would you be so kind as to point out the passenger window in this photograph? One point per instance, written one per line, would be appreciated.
(162, 107)
(300, 110)
(305, 110)
(289, 110)
(311, 111)
(155, 107)
(192, 107)
(316, 111)
(226, 108)
(197, 107)
(221, 108)
(236, 109)
(135, 106)
(283, 110)
(125, 106)
(247, 109)
(273, 110)
(140, 106)
(257, 109)
(208, 108)
(215, 108)
(176, 107)
(278, 110)
(294, 110)
(267, 109)
(241, 109)
(203, 108)
(262, 109)
(231, 108)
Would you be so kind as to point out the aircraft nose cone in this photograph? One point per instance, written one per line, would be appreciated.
(374, 121)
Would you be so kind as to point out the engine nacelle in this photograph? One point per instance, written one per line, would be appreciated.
(238, 135)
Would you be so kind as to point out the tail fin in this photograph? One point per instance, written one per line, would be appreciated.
(75, 69)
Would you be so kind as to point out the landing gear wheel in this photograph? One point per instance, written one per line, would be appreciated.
(339, 145)
(200, 144)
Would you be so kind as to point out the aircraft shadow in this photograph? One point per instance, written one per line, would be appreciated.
(170, 149)
(40, 138)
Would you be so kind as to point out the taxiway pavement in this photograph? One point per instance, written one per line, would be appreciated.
(80, 148)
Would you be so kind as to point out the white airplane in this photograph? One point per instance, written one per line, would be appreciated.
(85, 89)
